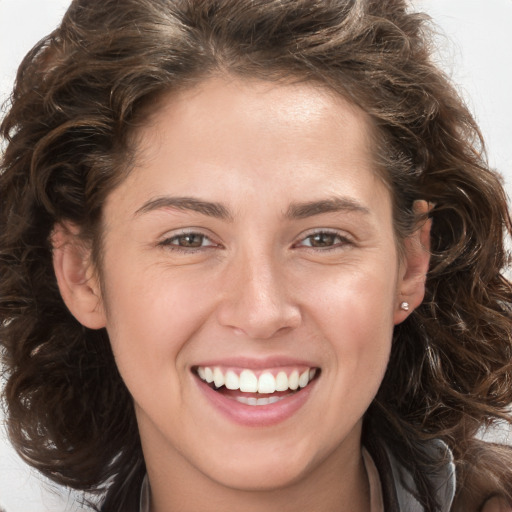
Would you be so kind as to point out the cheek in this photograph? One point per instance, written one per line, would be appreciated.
(354, 314)
(150, 318)
(351, 318)
(355, 299)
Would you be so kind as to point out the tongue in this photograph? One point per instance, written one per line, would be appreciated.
(237, 392)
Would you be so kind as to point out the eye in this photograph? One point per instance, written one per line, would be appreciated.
(187, 241)
(323, 240)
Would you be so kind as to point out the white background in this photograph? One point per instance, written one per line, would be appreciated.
(475, 49)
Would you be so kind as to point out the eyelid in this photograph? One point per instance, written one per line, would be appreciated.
(166, 239)
(344, 237)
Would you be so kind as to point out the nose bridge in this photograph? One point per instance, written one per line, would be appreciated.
(256, 299)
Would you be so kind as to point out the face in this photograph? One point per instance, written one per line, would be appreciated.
(252, 244)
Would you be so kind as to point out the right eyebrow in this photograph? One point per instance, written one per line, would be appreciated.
(211, 209)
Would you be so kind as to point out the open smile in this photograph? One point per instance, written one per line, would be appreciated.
(257, 397)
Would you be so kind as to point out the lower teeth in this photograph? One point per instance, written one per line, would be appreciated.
(258, 401)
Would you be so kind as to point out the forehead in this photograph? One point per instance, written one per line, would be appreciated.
(227, 133)
(249, 108)
(293, 102)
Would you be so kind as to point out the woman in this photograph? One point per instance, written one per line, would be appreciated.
(251, 259)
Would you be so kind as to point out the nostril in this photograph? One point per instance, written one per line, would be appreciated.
(258, 310)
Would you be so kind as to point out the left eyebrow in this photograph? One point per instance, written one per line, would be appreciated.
(334, 204)
(211, 209)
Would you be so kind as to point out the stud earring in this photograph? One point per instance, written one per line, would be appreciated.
(404, 306)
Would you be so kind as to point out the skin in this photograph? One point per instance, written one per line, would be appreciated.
(256, 287)
(497, 504)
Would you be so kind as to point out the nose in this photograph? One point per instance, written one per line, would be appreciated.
(255, 299)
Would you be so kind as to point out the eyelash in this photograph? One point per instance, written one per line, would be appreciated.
(169, 242)
(341, 240)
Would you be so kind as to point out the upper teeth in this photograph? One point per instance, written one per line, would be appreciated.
(247, 381)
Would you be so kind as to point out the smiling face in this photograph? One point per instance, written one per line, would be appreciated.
(251, 245)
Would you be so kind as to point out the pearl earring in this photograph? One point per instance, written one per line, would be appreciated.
(404, 306)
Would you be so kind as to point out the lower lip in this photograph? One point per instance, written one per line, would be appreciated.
(256, 415)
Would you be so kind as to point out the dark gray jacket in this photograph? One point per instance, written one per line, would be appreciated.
(398, 488)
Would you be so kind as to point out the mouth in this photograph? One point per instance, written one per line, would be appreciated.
(257, 387)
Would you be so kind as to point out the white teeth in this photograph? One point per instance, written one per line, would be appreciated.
(281, 381)
(232, 380)
(248, 382)
(266, 383)
(208, 375)
(304, 379)
(293, 380)
(218, 377)
(258, 401)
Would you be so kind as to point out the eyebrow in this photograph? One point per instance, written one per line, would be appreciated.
(208, 208)
(217, 210)
(333, 204)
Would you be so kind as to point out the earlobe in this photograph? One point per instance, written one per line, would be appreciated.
(414, 268)
(77, 282)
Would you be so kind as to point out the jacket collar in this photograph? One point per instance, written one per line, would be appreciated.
(398, 488)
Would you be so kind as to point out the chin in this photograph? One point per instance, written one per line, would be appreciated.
(261, 478)
(263, 469)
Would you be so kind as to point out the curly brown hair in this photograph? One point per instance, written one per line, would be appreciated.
(79, 96)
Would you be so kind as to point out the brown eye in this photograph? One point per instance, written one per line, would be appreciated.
(319, 240)
(322, 240)
(192, 240)
(185, 241)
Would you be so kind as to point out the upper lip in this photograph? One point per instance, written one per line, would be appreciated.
(260, 363)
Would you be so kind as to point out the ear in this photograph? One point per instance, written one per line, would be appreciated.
(414, 266)
(77, 281)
